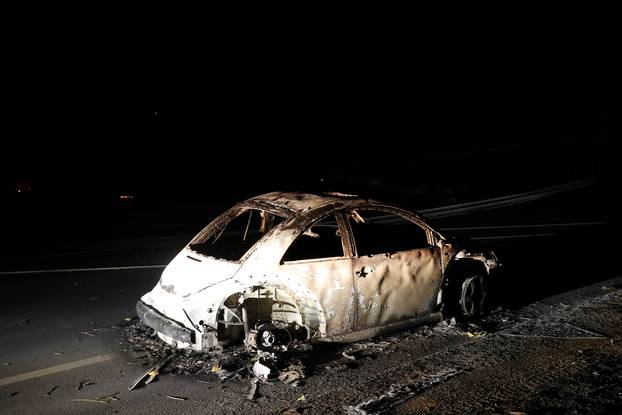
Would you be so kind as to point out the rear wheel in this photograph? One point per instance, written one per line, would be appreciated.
(473, 296)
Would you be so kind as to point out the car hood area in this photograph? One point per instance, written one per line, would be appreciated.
(190, 273)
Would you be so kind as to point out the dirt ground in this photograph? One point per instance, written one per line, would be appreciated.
(562, 355)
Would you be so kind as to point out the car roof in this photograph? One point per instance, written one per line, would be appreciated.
(294, 203)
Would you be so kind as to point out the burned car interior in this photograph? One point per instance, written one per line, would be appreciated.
(235, 234)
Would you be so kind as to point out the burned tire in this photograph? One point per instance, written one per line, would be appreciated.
(473, 297)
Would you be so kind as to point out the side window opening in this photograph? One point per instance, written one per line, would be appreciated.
(320, 240)
(234, 238)
(377, 232)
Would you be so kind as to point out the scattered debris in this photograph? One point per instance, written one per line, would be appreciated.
(109, 398)
(177, 398)
(553, 337)
(142, 344)
(357, 351)
(88, 333)
(593, 333)
(225, 374)
(58, 353)
(84, 383)
(253, 394)
(476, 334)
(150, 374)
(292, 375)
(400, 393)
(49, 393)
(302, 398)
(25, 321)
(277, 367)
(102, 399)
(265, 369)
(14, 393)
(89, 400)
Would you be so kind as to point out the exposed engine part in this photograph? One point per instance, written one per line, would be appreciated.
(268, 337)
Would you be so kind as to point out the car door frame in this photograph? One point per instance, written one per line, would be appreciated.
(344, 317)
(432, 238)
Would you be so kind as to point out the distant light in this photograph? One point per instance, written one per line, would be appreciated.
(122, 197)
(23, 185)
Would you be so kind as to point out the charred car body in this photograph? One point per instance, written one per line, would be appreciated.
(285, 266)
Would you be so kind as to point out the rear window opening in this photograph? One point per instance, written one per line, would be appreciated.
(232, 239)
(377, 232)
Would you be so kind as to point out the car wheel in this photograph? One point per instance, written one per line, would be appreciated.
(473, 296)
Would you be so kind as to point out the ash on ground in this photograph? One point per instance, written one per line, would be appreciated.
(144, 348)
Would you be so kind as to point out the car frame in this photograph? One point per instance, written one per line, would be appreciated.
(204, 302)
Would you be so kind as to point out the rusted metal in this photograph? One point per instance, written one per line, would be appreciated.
(342, 297)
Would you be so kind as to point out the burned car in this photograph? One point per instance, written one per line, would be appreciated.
(293, 266)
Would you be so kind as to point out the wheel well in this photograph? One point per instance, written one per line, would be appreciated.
(245, 311)
(455, 274)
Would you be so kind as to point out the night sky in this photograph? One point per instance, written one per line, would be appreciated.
(82, 129)
(111, 143)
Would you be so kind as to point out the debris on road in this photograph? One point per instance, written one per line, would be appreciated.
(84, 383)
(107, 399)
(400, 393)
(177, 398)
(277, 368)
(150, 374)
(89, 400)
(49, 393)
(253, 394)
(224, 374)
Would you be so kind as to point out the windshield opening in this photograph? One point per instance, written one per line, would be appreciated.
(231, 239)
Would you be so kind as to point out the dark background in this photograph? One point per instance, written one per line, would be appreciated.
(186, 133)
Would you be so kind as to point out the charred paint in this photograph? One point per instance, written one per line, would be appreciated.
(343, 297)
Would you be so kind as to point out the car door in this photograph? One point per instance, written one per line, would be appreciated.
(397, 273)
(321, 259)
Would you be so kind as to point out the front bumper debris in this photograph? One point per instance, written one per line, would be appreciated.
(162, 324)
